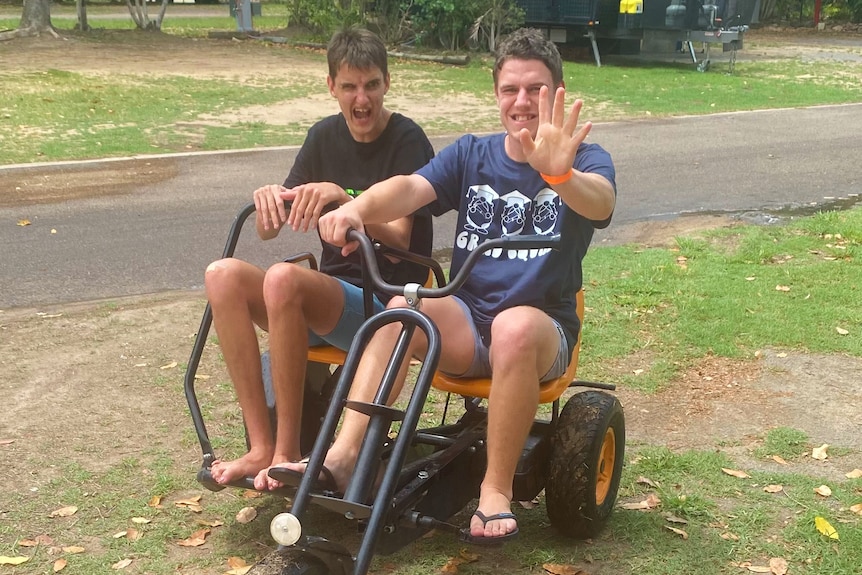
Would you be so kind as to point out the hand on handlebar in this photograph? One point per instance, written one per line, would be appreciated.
(309, 200)
(269, 206)
(333, 228)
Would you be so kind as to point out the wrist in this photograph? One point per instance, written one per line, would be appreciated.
(562, 178)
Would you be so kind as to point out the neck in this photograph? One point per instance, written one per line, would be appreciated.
(514, 149)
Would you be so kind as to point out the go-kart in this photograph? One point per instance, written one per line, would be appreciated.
(408, 482)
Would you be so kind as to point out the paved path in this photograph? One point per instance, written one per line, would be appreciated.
(160, 236)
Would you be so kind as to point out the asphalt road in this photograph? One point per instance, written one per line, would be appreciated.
(160, 236)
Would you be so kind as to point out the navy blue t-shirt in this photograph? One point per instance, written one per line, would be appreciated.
(498, 197)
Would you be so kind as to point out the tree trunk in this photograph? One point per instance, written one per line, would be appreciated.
(81, 8)
(35, 20)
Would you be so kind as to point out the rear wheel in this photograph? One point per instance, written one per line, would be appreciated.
(585, 464)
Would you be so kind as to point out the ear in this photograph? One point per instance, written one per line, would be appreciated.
(330, 82)
(386, 82)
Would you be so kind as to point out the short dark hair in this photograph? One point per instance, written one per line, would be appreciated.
(530, 44)
(358, 48)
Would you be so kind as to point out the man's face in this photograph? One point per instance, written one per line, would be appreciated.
(517, 92)
(360, 95)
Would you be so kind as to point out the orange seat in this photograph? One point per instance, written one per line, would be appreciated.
(549, 391)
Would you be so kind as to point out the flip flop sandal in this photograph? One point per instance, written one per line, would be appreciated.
(292, 478)
(482, 540)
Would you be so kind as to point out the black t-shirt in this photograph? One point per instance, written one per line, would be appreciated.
(330, 154)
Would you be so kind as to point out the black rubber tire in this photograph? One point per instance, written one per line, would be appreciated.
(585, 463)
(289, 562)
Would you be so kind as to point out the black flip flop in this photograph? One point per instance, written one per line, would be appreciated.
(482, 540)
(292, 478)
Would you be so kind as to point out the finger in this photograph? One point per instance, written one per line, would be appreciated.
(527, 143)
(544, 112)
(349, 248)
(581, 134)
(573, 117)
(258, 207)
(297, 211)
(559, 107)
(279, 203)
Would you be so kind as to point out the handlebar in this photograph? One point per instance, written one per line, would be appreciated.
(366, 249)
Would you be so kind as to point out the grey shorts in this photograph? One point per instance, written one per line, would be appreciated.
(481, 366)
(352, 317)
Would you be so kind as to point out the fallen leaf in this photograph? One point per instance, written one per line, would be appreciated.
(820, 452)
(238, 566)
(121, 564)
(192, 504)
(170, 365)
(155, 501)
(674, 519)
(778, 566)
(27, 543)
(133, 534)
(210, 522)
(6, 441)
(4, 560)
(735, 473)
(562, 569)
(679, 532)
(841, 331)
(23, 222)
(647, 481)
(782, 288)
(825, 528)
(196, 539)
(120, 534)
(758, 569)
(779, 459)
(651, 502)
(246, 515)
(855, 474)
(251, 494)
(44, 540)
(201, 377)
(823, 491)
(141, 520)
(53, 231)
(59, 565)
(729, 536)
(73, 549)
(67, 511)
(856, 508)
(773, 488)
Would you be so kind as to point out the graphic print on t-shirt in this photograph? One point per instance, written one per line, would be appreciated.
(491, 215)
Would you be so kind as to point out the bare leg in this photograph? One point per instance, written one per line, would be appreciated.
(456, 356)
(297, 299)
(524, 346)
(235, 292)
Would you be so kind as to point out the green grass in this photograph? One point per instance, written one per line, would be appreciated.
(721, 294)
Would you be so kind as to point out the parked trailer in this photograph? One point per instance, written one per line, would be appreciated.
(622, 26)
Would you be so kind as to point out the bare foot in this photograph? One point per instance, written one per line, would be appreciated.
(249, 464)
(334, 474)
(487, 521)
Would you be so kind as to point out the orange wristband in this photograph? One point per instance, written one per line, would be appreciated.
(553, 180)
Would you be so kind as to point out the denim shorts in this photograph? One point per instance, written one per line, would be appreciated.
(481, 366)
(352, 317)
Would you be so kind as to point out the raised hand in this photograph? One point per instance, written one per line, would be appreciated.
(558, 137)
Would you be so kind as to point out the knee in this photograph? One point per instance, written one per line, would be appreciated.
(222, 279)
(397, 302)
(283, 284)
(514, 336)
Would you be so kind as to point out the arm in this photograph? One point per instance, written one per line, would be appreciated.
(386, 201)
(553, 153)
